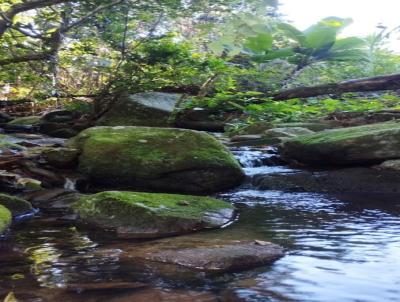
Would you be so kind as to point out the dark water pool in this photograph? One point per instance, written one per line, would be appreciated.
(339, 248)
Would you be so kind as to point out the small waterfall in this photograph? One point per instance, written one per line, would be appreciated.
(70, 184)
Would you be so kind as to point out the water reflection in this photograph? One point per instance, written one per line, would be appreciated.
(339, 248)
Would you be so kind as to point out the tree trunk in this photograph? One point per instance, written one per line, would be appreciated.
(389, 82)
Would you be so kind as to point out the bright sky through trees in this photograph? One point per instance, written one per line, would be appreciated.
(367, 14)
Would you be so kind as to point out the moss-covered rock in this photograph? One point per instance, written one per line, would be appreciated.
(261, 127)
(173, 160)
(17, 206)
(26, 121)
(5, 219)
(354, 145)
(149, 215)
(142, 109)
(278, 135)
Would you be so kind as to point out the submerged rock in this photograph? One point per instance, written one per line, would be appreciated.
(354, 145)
(167, 159)
(17, 206)
(196, 254)
(142, 109)
(348, 180)
(5, 219)
(149, 215)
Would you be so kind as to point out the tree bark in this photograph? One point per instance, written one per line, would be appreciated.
(389, 82)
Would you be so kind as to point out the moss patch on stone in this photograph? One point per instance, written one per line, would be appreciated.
(353, 145)
(17, 206)
(27, 121)
(152, 214)
(141, 154)
(5, 219)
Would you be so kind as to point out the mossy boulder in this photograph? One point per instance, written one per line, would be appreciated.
(5, 219)
(150, 215)
(26, 121)
(17, 206)
(278, 135)
(173, 160)
(346, 146)
(151, 109)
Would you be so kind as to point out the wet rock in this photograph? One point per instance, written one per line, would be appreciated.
(26, 121)
(4, 118)
(5, 219)
(347, 146)
(349, 180)
(201, 119)
(150, 215)
(261, 127)
(142, 109)
(62, 130)
(390, 165)
(197, 254)
(167, 159)
(158, 295)
(60, 116)
(61, 157)
(54, 200)
(278, 135)
(106, 286)
(17, 206)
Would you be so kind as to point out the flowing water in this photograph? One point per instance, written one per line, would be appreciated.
(339, 248)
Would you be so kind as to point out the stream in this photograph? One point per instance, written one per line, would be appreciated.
(339, 248)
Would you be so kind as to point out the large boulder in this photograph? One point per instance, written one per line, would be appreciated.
(347, 146)
(151, 109)
(5, 219)
(149, 215)
(174, 160)
(17, 206)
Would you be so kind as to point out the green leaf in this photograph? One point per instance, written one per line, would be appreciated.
(260, 43)
(274, 54)
(292, 32)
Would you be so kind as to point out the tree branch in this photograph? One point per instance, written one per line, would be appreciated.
(389, 82)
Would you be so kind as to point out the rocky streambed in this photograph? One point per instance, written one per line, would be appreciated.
(340, 244)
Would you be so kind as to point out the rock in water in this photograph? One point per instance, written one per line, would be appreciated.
(190, 253)
(17, 206)
(150, 215)
(142, 109)
(173, 160)
(5, 219)
(347, 146)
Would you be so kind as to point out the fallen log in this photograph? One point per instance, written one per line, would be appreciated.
(389, 82)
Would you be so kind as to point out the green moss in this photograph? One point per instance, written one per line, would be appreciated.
(17, 206)
(27, 120)
(8, 145)
(335, 135)
(354, 145)
(5, 219)
(132, 153)
(152, 212)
